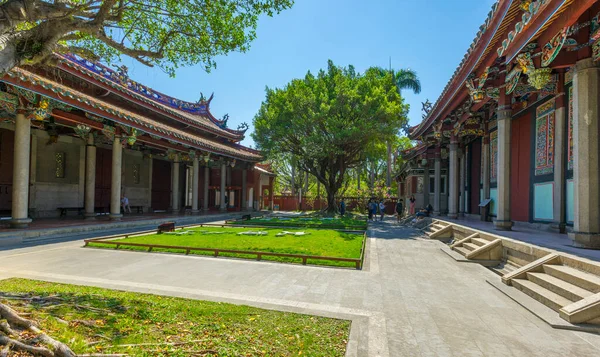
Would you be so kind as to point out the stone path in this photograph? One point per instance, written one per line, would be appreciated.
(411, 299)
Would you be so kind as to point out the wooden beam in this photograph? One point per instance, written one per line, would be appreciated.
(567, 18)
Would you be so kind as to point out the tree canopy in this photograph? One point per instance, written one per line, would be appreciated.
(327, 121)
(163, 33)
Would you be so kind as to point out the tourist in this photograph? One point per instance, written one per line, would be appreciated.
(125, 204)
(342, 207)
(381, 210)
(412, 204)
(370, 209)
(399, 209)
(425, 212)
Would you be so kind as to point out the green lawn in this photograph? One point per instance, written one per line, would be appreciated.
(93, 320)
(315, 222)
(317, 242)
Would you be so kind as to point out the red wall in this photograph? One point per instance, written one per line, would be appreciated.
(103, 177)
(475, 152)
(520, 166)
(161, 184)
(6, 168)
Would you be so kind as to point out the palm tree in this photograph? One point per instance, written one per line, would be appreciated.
(405, 79)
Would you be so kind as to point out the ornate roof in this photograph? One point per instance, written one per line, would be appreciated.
(197, 114)
(469, 61)
(44, 86)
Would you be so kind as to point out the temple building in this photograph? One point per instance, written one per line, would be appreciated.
(78, 136)
(518, 123)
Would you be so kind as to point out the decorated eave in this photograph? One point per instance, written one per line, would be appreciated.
(467, 65)
(57, 98)
(197, 114)
(518, 50)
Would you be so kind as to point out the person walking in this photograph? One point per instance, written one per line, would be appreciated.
(381, 210)
(342, 207)
(370, 209)
(399, 210)
(412, 205)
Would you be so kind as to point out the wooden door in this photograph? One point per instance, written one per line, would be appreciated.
(520, 166)
(7, 140)
(103, 178)
(161, 184)
(475, 176)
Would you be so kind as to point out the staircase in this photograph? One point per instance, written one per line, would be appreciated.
(437, 228)
(561, 288)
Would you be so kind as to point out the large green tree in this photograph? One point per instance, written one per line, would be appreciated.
(327, 121)
(163, 33)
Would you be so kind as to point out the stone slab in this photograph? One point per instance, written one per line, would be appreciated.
(541, 311)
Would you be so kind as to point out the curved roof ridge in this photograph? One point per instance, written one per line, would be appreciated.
(198, 112)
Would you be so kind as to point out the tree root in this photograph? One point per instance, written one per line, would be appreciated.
(14, 321)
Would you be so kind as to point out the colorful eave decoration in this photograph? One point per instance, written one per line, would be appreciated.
(534, 8)
(131, 119)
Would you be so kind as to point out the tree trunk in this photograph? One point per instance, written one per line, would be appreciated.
(331, 204)
(389, 164)
(293, 188)
(358, 178)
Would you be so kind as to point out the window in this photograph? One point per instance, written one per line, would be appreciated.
(59, 160)
(136, 174)
(442, 185)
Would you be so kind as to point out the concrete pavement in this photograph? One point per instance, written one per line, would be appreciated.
(411, 299)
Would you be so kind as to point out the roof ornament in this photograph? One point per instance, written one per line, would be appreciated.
(223, 123)
(243, 127)
(123, 73)
(426, 108)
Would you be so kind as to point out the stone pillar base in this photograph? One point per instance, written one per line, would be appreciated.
(90, 216)
(437, 213)
(452, 215)
(223, 209)
(503, 225)
(585, 240)
(20, 222)
(195, 211)
(461, 214)
(115, 217)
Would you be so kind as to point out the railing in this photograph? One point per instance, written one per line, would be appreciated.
(216, 251)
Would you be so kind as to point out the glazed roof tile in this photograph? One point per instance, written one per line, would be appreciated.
(141, 123)
(191, 113)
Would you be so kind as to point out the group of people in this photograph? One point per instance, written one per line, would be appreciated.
(424, 212)
(375, 209)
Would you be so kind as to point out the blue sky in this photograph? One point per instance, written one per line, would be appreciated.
(428, 36)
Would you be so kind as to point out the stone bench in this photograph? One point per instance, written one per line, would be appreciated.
(64, 210)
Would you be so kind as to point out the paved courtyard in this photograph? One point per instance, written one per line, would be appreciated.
(411, 299)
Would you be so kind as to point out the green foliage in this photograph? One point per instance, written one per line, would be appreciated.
(319, 242)
(329, 120)
(163, 33)
(97, 320)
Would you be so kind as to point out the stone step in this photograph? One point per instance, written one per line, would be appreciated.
(439, 226)
(580, 278)
(479, 241)
(561, 287)
(432, 229)
(470, 246)
(541, 294)
(462, 250)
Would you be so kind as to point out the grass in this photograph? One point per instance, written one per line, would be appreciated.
(319, 242)
(94, 320)
(314, 222)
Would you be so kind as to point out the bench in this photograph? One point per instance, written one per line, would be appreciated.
(64, 210)
(138, 209)
(166, 227)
